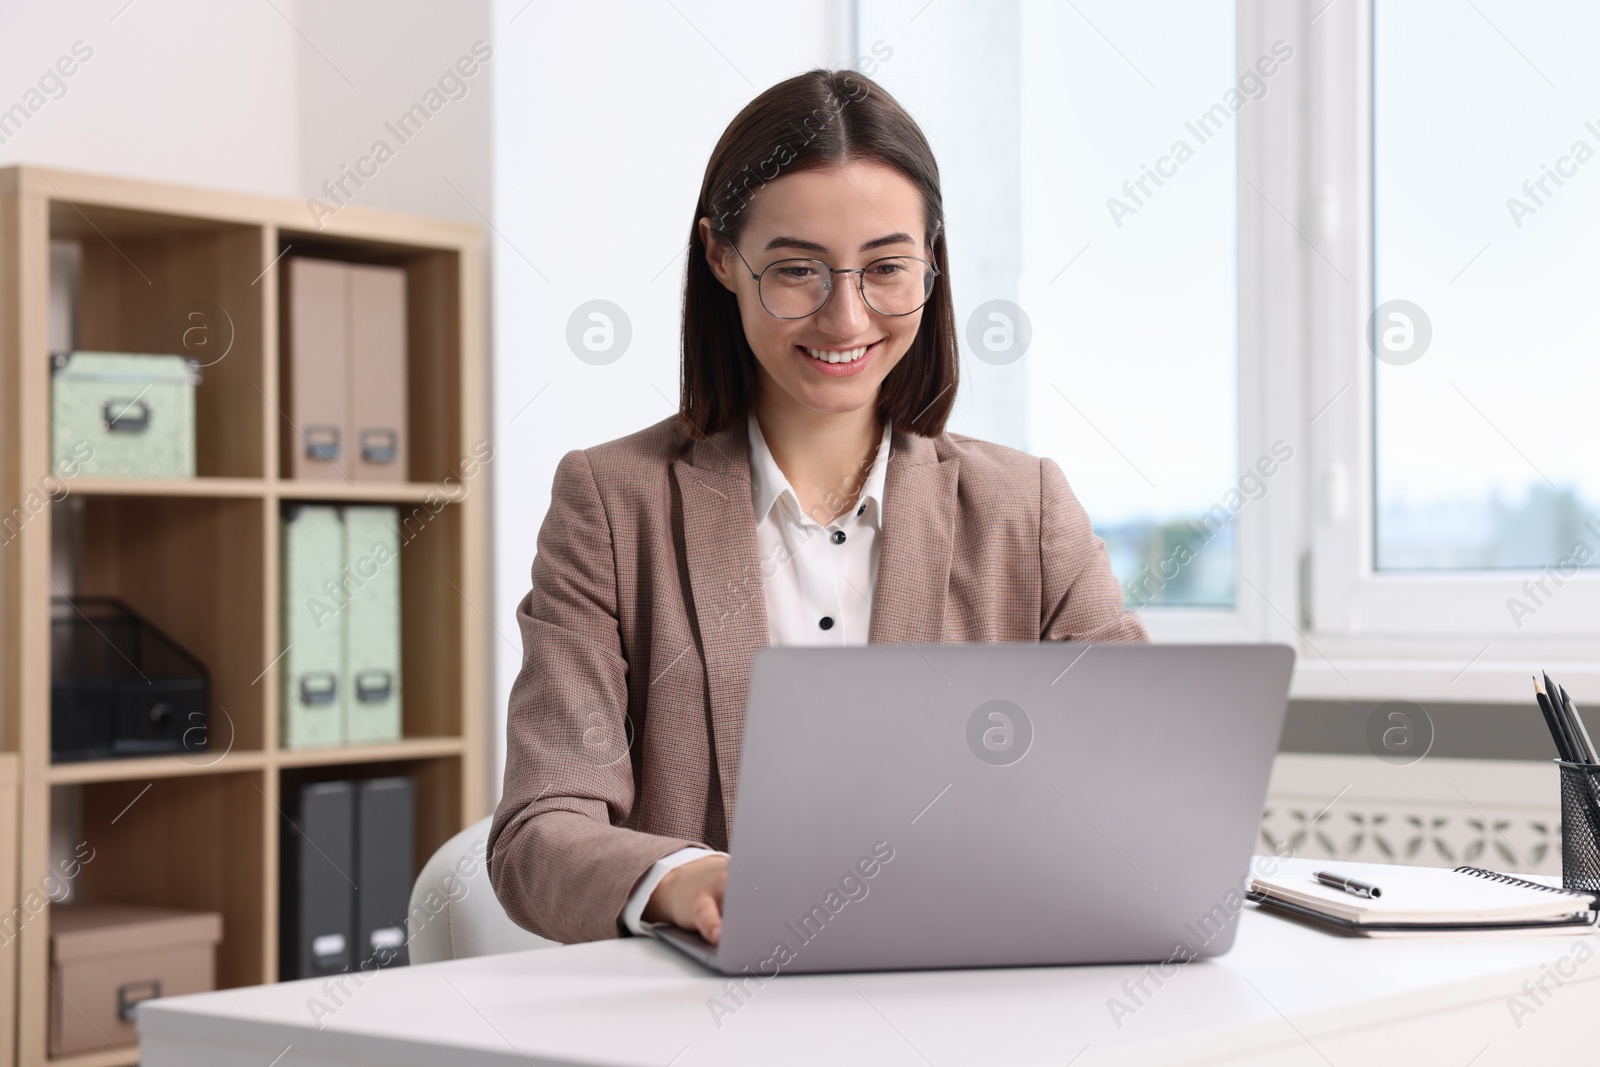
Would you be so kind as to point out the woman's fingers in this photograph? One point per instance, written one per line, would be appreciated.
(706, 907)
(690, 896)
(704, 890)
(708, 915)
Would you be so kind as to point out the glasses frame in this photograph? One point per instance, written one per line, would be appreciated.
(861, 283)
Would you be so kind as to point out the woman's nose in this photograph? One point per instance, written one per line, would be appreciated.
(845, 313)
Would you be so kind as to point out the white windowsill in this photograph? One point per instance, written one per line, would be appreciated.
(1458, 669)
(1486, 681)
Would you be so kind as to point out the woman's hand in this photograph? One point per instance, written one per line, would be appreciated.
(690, 896)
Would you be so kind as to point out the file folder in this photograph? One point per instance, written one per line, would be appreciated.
(316, 930)
(372, 624)
(316, 370)
(314, 691)
(377, 369)
(384, 821)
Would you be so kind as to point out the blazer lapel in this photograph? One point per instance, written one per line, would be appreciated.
(723, 560)
(919, 508)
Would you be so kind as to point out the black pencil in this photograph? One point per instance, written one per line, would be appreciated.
(1556, 732)
(1567, 730)
(1589, 753)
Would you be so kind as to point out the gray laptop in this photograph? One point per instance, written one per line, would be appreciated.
(995, 805)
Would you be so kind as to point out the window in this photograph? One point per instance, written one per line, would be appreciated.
(1453, 502)
(1130, 280)
(1486, 214)
(1088, 157)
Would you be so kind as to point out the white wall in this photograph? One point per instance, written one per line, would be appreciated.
(258, 97)
(173, 91)
(605, 117)
(374, 60)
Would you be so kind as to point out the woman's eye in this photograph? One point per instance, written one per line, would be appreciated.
(884, 270)
(795, 273)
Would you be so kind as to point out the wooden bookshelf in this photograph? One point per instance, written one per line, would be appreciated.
(200, 557)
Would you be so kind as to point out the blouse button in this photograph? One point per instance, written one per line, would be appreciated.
(826, 622)
(862, 510)
(838, 537)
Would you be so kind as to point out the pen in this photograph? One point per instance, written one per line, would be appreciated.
(1349, 885)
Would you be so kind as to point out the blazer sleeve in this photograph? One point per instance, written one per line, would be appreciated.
(560, 865)
(1081, 598)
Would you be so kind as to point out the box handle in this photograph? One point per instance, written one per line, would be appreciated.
(318, 687)
(124, 416)
(374, 687)
(130, 996)
(322, 442)
(379, 445)
(327, 946)
(390, 937)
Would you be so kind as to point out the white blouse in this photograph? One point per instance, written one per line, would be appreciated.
(817, 579)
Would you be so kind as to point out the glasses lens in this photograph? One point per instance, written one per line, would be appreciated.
(794, 288)
(897, 285)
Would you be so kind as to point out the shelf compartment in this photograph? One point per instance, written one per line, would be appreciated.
(194, 567)
(438, 815)
(433, 611)
(167, 284)
(433, 348)
(189, 842)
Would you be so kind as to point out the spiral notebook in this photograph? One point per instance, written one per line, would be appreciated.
(1418, 900)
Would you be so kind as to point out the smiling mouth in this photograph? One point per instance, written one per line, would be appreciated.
(849, 355)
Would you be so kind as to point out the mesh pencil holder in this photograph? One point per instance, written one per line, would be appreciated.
(1580, 826)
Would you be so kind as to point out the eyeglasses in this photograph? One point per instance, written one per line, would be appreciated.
(795, 288)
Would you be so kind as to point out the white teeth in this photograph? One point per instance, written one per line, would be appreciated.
(848, 356)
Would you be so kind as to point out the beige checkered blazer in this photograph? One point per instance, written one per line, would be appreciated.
(623, 734)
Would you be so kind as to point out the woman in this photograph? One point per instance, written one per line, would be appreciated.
(806, 493)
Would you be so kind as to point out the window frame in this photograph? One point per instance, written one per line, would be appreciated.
(1446, 634)
(1268, 531)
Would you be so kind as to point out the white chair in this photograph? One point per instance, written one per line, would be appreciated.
(454, 912)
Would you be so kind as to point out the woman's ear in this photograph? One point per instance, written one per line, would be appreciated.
(716, 254)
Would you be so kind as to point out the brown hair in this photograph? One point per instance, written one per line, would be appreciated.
(815, 120)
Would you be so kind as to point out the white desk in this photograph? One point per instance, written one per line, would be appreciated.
(1286, 995)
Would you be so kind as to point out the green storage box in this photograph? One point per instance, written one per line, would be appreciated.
(372, 624)
(340, 613)
(134, 412)
(314, 688)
